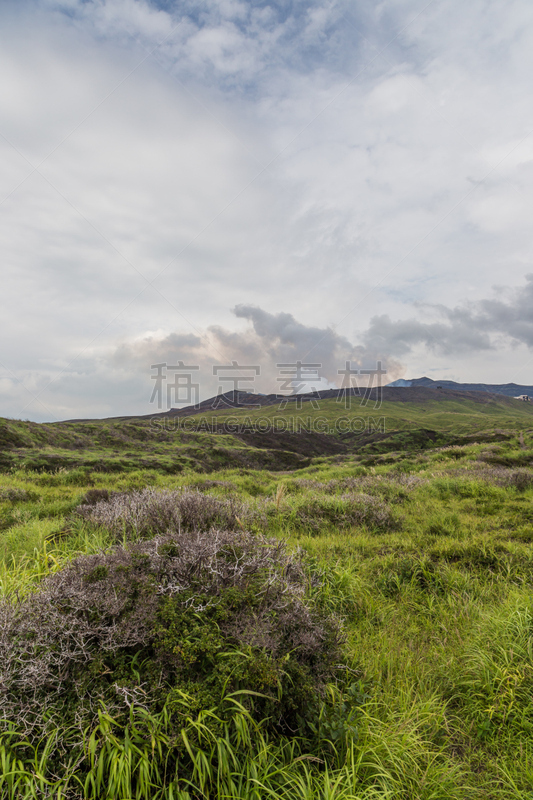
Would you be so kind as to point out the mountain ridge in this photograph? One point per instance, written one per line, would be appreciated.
(239, 400)
(506, 389)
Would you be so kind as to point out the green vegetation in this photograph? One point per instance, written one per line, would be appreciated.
(445, 416)
(190, 615)
(262, 438)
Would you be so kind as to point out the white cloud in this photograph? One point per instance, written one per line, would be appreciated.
(337, 162)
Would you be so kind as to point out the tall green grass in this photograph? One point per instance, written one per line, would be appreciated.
(148, 758)
(439, 637)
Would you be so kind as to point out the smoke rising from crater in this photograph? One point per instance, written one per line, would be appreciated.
(271, 339)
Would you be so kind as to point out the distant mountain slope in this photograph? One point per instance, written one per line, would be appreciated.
(413, 394)
(507, 389)
(417, 393)
(228, 432)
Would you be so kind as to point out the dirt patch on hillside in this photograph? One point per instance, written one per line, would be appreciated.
(305, 443)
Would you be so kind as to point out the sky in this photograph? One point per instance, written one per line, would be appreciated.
(261, 183)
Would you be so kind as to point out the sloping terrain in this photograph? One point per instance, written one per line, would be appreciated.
(277, 435)
(418, 392)
(507, 389)
(358, 628)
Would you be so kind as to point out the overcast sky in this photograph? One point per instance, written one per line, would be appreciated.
(208, 181)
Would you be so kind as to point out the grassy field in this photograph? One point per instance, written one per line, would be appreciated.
(402, 567)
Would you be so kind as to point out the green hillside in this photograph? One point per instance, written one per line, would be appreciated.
(460, 417)
(189, 615)
(267, 437)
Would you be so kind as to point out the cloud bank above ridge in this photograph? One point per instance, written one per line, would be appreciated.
(271, 339)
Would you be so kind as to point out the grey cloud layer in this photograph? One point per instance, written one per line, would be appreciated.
(339, 160)
(275, 338)
(465, 329)
(270, 340)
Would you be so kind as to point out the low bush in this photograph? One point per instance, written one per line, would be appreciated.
(208, 614)
(498, 456)
(150, 512)
(207, 485)
(453, 453)
(94, 496)
(14, 495)
(519, 479)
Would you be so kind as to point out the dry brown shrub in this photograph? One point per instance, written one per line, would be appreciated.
(309, 483)
(150, 512)
(14, 495)
(94, 496)
(104, 604)
(205, 486)
(520, 478)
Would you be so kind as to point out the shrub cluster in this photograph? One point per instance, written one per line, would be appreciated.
(14, 495)
(149, 512)
(383, 485)
(519, 479)
(501, 456)
(202, 613)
